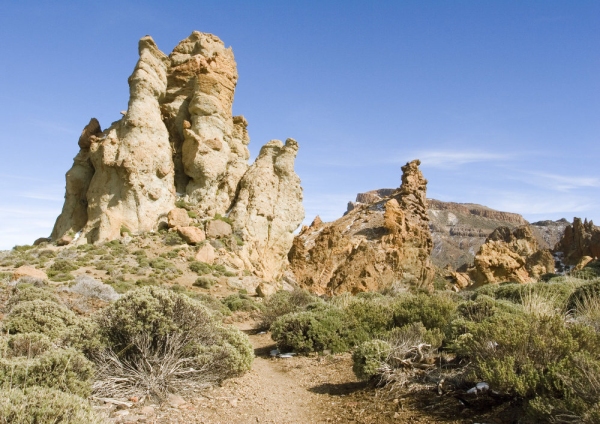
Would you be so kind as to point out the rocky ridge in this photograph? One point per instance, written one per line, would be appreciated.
(371, 247)
(178, 142)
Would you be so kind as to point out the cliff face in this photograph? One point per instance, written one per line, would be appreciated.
(372, 246)
(179, 141)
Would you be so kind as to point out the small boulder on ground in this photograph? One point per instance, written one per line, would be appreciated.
(265, 289)
(218, 229)
(178, 217)
(64, 240)
(41, 240)
(191, 235)
(29, 271)
(206, 254)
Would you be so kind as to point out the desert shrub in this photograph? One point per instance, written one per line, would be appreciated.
(368, 358)
(63, 265)
(24, 282)
(224, 218)
(322, 328)
(39, 316)
(557, 293)
(120, 285)
(161, 263)
(55, 321)
(173, 239)
(200, 268)
(285, 302)
(204, 282)
(22, 248)
(404, 346)
(515, 352)
(160, 341)
(433, 311)
(150, 281)
(62, 369)
(241, 302)
(41, 405)
(370, 316)
(28, 294)
(212, 303)
(90, 287)
(587, 311)
(583, 293)
(24, 344)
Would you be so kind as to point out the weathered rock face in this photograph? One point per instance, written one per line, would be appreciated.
(580, 239)
(507, 255)
(178, 137)
(269, 208)
(372, 246)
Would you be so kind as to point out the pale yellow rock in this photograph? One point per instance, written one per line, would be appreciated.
(29, 271)
(269, 208)
(178, 217)
(266, 289)
(583, 262)
(207, 254)
(218, 229)
(64, 240)
(191, 235)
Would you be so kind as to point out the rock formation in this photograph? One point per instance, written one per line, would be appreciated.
(459, 229)
(580, 239)
(178, 141)
(372, 246)
(507, 255)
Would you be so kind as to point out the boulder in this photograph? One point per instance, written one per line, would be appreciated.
(218, 229)
(266, 289)
(41, 240)
(29, 271)
(191, 235)
(64, 240)
(178, 217)
(206, 253)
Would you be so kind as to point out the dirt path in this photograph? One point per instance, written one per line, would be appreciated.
(276, 390)
(298, 390)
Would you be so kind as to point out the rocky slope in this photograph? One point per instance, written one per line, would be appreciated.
(373, 246)
(179, 142)
(507, 255)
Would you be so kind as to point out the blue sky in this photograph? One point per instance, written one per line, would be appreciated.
(499, 99)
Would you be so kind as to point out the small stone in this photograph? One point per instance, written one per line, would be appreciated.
(175, 400)
(265, 289)
(134, 399)
(233, 402)
(41, 240)
(147, 411)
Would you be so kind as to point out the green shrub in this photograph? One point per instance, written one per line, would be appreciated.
(368, 358)
(434, 311)
(39, 316)
(285, 302)
(30, 293)
(161, 263)
(62, 369)
(150, 281)
(224, 219)
(582, 294)
(41, 405)
(200, 268)
(514, 292)
(22, 248)
(204, 282)
(166, 341)
(63, 265)
(24, 344)
(173, 239)
(324, 327)
(241, 302)
(56, 322)
(192, 214)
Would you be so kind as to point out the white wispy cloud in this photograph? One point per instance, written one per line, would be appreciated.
(448, 159)
(564, 182)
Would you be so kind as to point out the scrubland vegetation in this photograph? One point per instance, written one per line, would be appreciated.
(141, 333)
